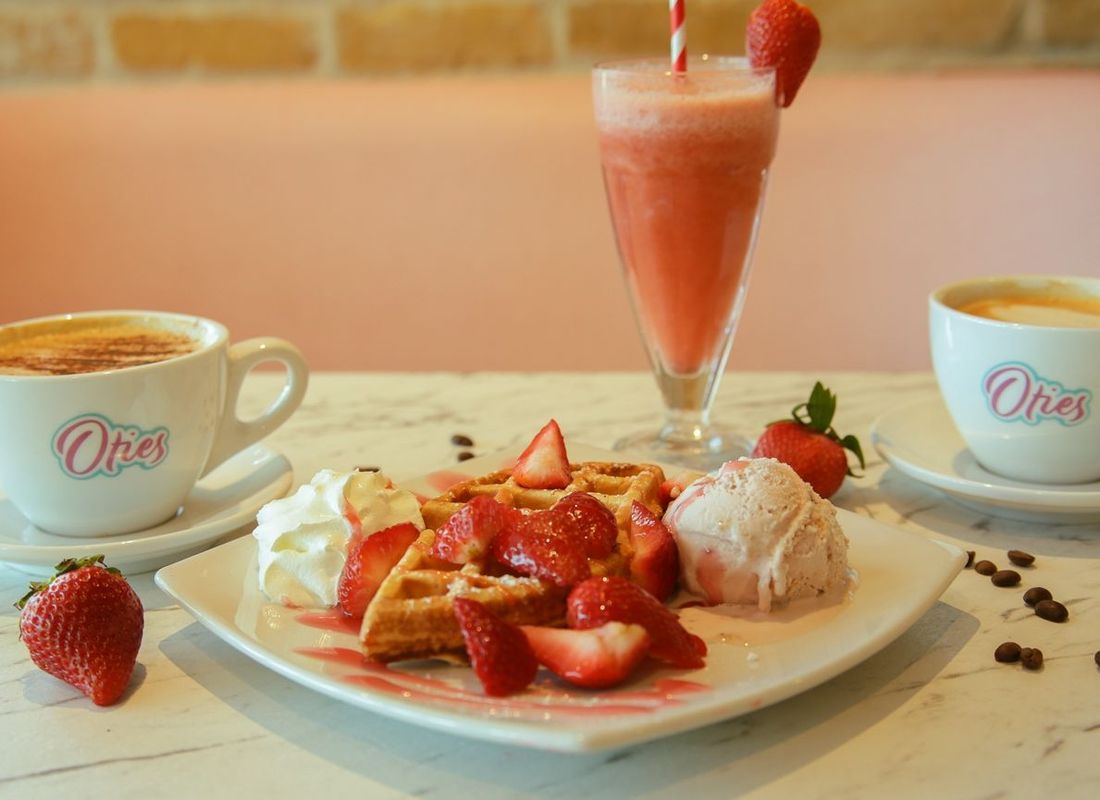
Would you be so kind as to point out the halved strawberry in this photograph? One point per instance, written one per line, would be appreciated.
(499, 652)
(544, 464)
(591, 520)
(538, 545)
(656, 563)
(784, 35)
(600, 600)
(594, 658)
(467, 534)
(370, 559)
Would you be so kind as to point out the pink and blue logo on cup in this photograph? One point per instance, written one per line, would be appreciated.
(1015, 392)
(90, 445)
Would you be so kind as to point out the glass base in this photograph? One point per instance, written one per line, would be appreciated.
(706, 448)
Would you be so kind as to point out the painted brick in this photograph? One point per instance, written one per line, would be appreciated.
(1071, 23)
(874, 25)
(219, 43)
(47, 46)
(423, 37)
(601, 29)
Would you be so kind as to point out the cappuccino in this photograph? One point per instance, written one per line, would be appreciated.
(1017, 359)
(89, 344)
(1052, 311)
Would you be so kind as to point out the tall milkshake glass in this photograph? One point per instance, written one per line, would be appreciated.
(685, 162)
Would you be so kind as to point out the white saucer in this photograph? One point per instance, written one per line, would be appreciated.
(227, 498)
(921, 441)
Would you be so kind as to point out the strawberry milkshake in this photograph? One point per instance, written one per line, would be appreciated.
(686, 148)
(685, 162)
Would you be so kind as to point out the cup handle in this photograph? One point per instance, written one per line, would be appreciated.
(234, 434)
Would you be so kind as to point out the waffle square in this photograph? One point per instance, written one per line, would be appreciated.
(412, 614)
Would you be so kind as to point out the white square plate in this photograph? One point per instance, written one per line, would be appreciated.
(754, 660)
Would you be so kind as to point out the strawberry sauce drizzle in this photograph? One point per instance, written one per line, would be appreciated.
(542, 701)
(331, 620)
(444, 479)
(482, 702)
(352, 516)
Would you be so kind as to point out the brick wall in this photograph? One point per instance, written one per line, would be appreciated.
(122, 40)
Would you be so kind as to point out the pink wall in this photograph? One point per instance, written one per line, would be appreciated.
(459, 223)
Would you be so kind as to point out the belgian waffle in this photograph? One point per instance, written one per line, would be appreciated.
(412, 614)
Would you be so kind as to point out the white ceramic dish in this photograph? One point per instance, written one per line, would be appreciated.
(224, 500)
(752, 662)
(919, 440)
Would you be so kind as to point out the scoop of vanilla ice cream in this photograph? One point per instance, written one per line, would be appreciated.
(756, 533)
(302, 540)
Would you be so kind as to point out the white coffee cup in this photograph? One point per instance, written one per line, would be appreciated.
(1021, 394)
(117, 450)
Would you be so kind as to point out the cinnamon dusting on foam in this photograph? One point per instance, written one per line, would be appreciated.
(75, 347)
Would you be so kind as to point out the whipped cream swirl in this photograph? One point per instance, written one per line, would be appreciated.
(302, 540)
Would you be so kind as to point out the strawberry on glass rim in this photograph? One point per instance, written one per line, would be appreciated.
(784, 35)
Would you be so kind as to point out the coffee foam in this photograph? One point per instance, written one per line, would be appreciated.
(92, 344)
(1051, 311)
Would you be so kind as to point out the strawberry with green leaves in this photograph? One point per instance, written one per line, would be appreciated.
(84, 626)
(809, 444)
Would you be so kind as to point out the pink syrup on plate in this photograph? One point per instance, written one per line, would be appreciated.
(545, 697)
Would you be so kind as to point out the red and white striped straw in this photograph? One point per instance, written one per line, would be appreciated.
(679, 35)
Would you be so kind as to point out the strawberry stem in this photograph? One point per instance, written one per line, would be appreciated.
(817, 415)
(68, 565)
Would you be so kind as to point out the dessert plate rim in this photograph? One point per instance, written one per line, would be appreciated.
(901, 575)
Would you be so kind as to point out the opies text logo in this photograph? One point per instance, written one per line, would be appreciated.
(1015, 392)
(91, 445)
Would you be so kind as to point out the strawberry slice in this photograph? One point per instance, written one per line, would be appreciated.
(669, 490)
(656, 563)
(499, 652)
(466, 536)
(594, 658)
(591, 520)
(544, 464)
(597, 601)
(541, 546)
(784, 35)
(370, 559)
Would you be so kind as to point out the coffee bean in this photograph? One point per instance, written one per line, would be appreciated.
(969, 559)
(1052, 610)
(985, 567)
(465, 455)
(1036, 594)
(462, 440)
(1005, 577)
(1031, 657)
(1007, 652)
(1096, 658)
(368, 469)
(1020, 558)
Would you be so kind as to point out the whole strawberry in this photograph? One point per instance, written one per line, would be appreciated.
(809, 445)
(784, 35)
(84, 626)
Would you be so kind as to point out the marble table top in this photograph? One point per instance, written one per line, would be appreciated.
(930, 715)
